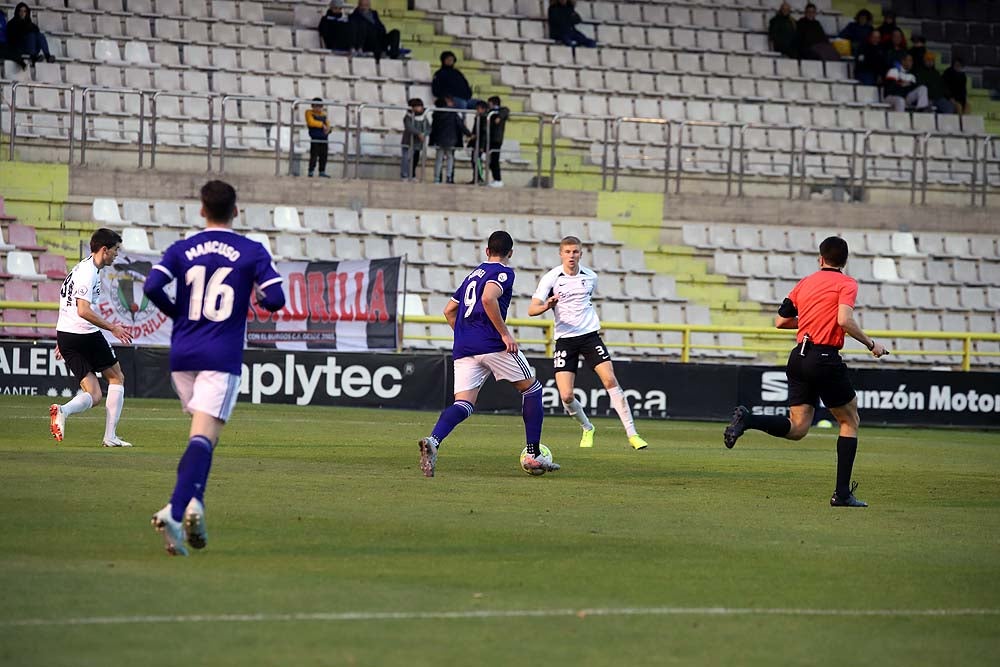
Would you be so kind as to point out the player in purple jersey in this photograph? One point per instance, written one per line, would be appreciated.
(216, 271)
(484, 346)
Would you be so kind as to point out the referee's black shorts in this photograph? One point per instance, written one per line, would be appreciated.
(569, 349)
(819, 373)
(85, 353)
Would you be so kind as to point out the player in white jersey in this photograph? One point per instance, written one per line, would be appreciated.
(80, 342)
(567, 291)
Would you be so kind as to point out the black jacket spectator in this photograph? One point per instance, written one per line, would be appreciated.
(371, 33)
(858, 30)
(563, 19)
(870, 65)
(450, 82)
(812, 39)
(498, 124)
(781, 32)
(447, 130)
(888, 26)
(24, 37)
(336, 30)
(956, 84)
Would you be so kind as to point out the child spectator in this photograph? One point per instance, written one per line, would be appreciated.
(956, 85)
(563, 19)
(901, 89)
(319, 133)
(896, 48)
(447, 130)
(781, 32)
(479, 143)
(24, 37)
(498, 125)
(415, 128)
(870, 65)
(336, 30)
(449, 81)
(888, 25)
(858, 30)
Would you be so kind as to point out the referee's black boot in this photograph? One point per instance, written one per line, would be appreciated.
(737, 426)
(847, 501)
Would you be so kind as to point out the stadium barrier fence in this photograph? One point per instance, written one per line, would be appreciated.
(276, 132)
(686, 346)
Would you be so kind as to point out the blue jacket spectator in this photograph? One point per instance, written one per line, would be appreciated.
(450, 82)
(857, 31)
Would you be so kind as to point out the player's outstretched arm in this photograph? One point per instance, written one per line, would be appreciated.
(845, 318)
(154, 289)
(84, 310)
(491, 293)
(538, 306)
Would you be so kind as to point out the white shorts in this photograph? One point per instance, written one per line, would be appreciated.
(211, 392)
(471, 372)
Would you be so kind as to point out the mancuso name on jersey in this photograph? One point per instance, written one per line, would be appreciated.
(474, 332)
(216, 271)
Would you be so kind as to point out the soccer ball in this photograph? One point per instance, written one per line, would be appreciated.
(546, 454)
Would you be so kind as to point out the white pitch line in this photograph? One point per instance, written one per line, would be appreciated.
(493, 613)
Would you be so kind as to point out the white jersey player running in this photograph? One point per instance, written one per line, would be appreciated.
(567, 291)
(81, 344)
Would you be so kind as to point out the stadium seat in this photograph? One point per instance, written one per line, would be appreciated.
(264, 240)
(287, 218)
(21, 264)
(52, 266)
(106, 210)
(23, 237)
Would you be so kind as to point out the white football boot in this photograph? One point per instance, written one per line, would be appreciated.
(116, 442)
(172, 531)
(194, 524)
(428, 455)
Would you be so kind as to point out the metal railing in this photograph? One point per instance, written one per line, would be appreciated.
(90, 92)
(975, 179)
(686, 346)
(336, 104)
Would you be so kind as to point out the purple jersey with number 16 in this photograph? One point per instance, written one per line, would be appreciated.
(216, 270)
(474, 333)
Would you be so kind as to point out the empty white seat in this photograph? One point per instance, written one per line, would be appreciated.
(105, 210)
(884, 269)
(21, 264)
(135, 239)
(287, 217)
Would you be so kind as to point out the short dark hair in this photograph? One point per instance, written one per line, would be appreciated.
(810, 5)
(104, 238)
(415, 102)
(219, 200)
(445, 54)
(494, 100)
(500, 244)
(480, 104)
(865, 13)
(917, 38)
(957, 60)
(833, 250)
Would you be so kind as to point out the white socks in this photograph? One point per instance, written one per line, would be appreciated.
(575, 410)
(620, 404)
(78, 403)
(113, 403)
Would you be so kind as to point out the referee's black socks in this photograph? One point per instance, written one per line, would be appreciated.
(775, 425)
(847, 449)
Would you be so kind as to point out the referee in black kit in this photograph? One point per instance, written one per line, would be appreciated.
(821, 307)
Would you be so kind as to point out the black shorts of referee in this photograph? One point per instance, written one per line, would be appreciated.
(818, 372)
(85, 353)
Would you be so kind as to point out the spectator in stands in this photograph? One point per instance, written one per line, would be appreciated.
(901, 89)
(858, 30)
(563, 22)
(870, 65)
(449, 81)
(479, 143)
(918, 51)
(896, 48)
(335, 29)
(781, 32)
(371, 34)
(447, 130)
(812, 40)
(888, 26)
(498, 125)
(956, 85)
(6, 53)
(415, 128)
(25, 38)
(929, 77)
(319, 132)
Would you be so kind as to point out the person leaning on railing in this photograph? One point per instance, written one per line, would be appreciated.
(319, 132)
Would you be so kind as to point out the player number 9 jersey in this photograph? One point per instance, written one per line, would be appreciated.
(474, 332)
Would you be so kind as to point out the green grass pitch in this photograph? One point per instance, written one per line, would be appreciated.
(327, 547)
